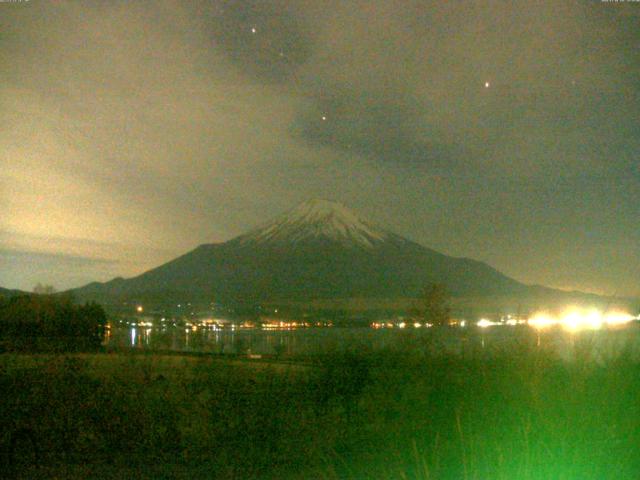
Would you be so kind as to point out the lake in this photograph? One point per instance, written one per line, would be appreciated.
(600, 343)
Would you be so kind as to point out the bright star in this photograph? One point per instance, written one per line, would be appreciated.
(487, 84)
(324, 117)
(253, 29)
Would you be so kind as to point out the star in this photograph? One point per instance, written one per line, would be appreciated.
(487, 84)
(324, 117)
(253, 30)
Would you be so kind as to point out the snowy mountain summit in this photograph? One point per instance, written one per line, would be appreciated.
(317, 220)
(318, 250)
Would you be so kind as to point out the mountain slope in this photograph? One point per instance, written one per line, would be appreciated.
(6, 293)
(317, 250)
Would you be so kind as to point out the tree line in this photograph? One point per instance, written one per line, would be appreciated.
(50, 323)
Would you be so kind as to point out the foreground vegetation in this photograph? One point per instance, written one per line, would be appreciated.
(37, 323)
(502, 415)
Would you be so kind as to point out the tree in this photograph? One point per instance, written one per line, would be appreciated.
(41, 289)
(45, 322)
(436, 304)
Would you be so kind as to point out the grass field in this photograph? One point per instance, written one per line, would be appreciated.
(521, 414)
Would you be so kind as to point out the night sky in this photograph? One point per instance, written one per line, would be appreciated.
(508, 132)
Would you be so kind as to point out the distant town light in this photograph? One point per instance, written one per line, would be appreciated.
(574, 319)
(541, 320)
(619, 318)
(484, 323)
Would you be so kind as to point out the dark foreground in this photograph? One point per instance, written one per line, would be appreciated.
(522, 414)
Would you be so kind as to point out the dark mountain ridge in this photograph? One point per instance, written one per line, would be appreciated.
(7, 293)
(319, 250)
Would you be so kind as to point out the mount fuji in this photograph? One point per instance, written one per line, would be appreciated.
(318, 250)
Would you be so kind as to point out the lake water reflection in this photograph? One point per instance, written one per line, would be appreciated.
(311, 341)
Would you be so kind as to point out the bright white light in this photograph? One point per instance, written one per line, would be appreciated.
(463, 323)
(542, 320)
(484, 323)
(618, 318)
(575, 319)
(512, 322)
(253, 29)
(324, 117)
(593, 320)
(487, 84)
(402, 325)
(572, 320)
(417, 325)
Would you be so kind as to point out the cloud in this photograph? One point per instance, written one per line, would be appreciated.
(23, 269)
(389, 130)
(261, 38)
(151, 127)
(71, 260)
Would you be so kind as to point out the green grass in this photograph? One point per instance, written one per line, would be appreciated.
(518, 414)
